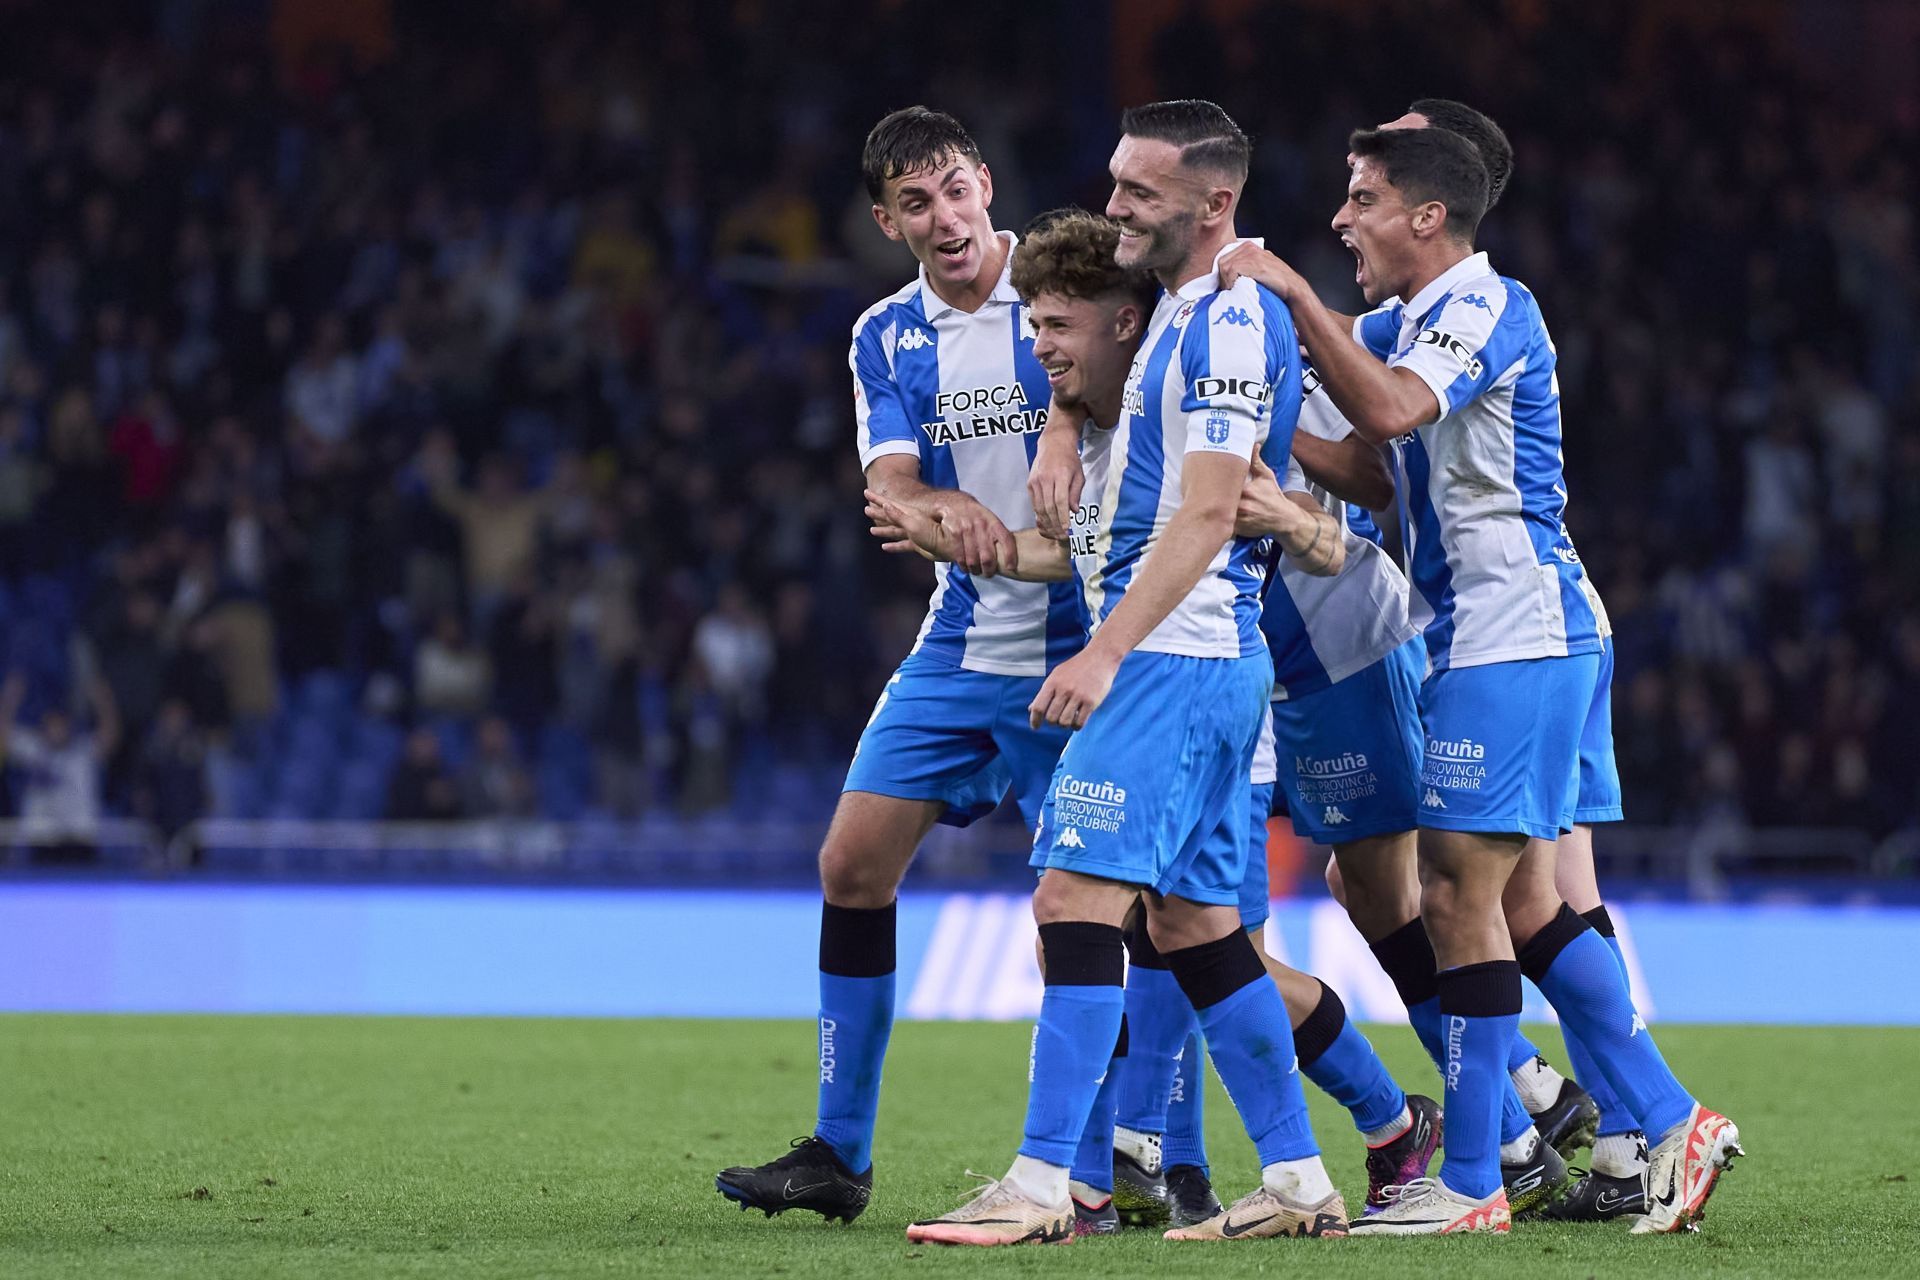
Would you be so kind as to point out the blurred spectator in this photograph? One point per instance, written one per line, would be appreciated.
(61, 767)
(494, 783)
(451, 677)
(170, 778)
(422, 790)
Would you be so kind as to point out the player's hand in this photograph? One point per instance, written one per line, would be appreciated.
(1054, 482)
(1074, 691)
(1263, 508)
(1257, 264)
(905, 529)
(980, 543)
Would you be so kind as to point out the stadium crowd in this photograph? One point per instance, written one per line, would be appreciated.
(453, 419)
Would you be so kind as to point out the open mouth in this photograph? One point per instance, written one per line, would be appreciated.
(1056, 373)
(1359, 261)
(953, 250)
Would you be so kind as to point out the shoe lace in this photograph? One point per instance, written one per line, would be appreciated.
(1408, 1191)
(800, 1151)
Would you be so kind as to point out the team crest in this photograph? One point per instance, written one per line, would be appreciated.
(1218, 428)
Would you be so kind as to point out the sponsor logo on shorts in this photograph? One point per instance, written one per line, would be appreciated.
(1432, 800)
(1453, 764)
(1091, 805)
(1334, 780)
(1070, 839)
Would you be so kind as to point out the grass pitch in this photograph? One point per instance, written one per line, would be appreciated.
(259, 1147)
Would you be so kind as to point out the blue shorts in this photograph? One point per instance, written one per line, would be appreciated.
(1349, 754)
(941, 732)
(1142, 792)
(1599, 799)
(1255, 905)
(1503, 745)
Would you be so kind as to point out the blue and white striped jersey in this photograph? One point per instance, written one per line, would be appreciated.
(1483, 486)
(1322, 630)
(1218, 372)
(962, 392)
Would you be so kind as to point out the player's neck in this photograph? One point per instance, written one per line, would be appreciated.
(971, 296)
(1443, 259)
(1105, 410)
(1199, 260)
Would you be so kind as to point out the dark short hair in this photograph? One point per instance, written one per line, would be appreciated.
(1070, 252)
(1206, 135)
(911, 139)
(1431, 164)
(1478, 128)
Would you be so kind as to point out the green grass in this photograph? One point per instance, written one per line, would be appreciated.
(257, 1147)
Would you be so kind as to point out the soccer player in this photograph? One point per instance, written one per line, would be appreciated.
(1166, 702)
(1514, 650)
(1065, 270)
(948, 399)
(1567, 1117)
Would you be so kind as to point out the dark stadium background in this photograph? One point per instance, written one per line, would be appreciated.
(438, 414)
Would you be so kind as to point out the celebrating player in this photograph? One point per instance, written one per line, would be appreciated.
(1176, 658)
(948, 397)
(1514, 647)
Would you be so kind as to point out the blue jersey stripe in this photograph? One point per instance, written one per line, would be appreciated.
(1138, 504)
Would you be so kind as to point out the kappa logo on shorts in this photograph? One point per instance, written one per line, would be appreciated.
(1432, 800)
(1070, 839)
(1333, 816)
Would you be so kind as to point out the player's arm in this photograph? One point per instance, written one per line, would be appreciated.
(890, 455)
(1209, 497)
(1352, 469)
(1382, 403)
(1303, 528)
(902, 528)
(1056, 477)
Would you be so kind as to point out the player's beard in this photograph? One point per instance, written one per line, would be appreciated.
(1167, 244)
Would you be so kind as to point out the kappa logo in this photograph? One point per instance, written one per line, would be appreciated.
(1475, 300)
(1070, 839)
(1639, 1025)
(1235, 316)
(1333, 816)
(1432, 800)
(914, 339)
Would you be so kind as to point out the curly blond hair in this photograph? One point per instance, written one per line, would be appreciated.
(1070, 252)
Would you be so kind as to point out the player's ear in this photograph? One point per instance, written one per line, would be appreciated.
(1220, 203)
(1126, 323)
(1429, 218)
(885, 220)
(986, 186)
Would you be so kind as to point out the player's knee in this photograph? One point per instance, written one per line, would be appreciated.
(1336, 884)
(854, 876)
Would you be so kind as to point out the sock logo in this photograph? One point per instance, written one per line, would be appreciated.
(1033, 1051)
(1456, 1050)
(827, 1027)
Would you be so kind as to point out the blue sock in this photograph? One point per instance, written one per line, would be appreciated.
(1514, 1118)
(1186, 1137)
(1335, 1056)
(1480, 1006)
(1093, 1158)
(1073, 1045)
(1614, 1116)
(1251, 1040)
(1522, 1052)
(1583, 979)
(856, 1019)
(1159, 1021)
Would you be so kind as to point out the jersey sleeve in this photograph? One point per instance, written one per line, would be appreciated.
(1295, 480)
(1455, 352)
(879, 412)
(1377, 329)
(1319, 416)
(1225, 367)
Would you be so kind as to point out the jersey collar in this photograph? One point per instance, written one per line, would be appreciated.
(1200, 286)
(1003, 291)
(1469, 268)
